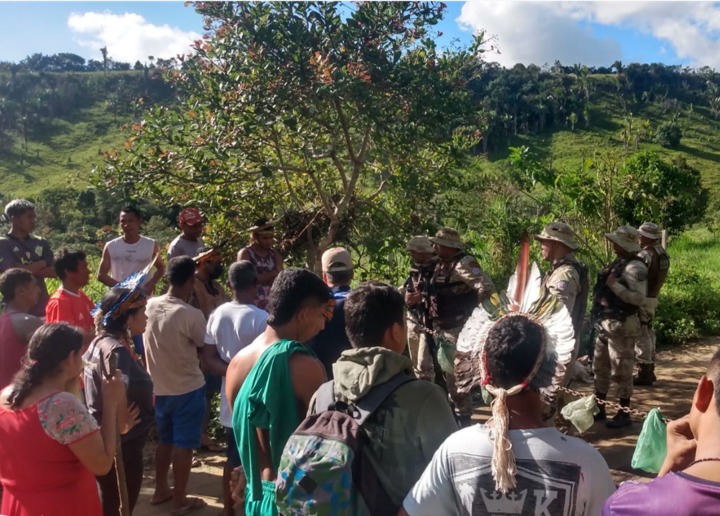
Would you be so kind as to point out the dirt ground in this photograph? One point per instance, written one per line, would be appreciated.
(678, 371)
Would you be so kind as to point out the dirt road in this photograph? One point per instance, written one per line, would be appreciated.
(678, 371)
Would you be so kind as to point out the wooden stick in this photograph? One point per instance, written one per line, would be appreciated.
(119, 464)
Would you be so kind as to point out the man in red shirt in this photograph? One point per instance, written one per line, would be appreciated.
(69, 303)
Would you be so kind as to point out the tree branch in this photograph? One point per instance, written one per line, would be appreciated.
(345, 129)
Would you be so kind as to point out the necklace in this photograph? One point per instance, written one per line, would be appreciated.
(709, 459)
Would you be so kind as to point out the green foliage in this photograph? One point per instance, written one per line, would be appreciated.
(669, 134)
(670, 194)
(346, 120)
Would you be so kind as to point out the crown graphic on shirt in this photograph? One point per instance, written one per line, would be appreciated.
(498, 503)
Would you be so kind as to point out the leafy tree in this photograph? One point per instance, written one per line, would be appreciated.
(669, 134)
(668, 193)
(345, 120)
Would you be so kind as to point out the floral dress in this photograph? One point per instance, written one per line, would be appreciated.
(40, 475)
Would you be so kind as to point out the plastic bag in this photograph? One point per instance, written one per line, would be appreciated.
(580, 412)
(445, 355)
(651, 445)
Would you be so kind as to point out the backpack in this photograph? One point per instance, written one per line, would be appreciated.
(323, 469)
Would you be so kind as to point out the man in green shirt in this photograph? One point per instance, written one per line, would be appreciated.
(269, 384)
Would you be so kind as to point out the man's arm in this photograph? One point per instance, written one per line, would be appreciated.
(565, 285)
(49, 258)
(308, 374)
(103, 274)
(159, 270)
(470, 272)
(212, 361)
(25, 325)
(635, 276)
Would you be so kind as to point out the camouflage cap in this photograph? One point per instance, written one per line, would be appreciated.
(420, 244)
(649, 230)
(448, 237)
(559, 232)
(625, 237)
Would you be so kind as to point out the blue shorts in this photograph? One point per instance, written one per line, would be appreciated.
(232, 453)
(179, 418)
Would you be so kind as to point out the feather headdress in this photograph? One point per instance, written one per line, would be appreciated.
(525, 297)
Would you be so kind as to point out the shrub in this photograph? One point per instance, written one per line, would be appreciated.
(669, 134)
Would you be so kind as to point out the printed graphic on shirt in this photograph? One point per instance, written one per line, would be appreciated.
(544, 488)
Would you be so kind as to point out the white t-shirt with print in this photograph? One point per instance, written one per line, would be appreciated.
(557, 475)
(231, 327)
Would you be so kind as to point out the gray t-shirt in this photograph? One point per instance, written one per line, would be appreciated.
(183, 247)
(557, 475)
(15, 252)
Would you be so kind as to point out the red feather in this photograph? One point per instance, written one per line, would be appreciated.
(522, 270)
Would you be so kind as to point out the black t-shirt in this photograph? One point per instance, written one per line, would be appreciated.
(137, 380)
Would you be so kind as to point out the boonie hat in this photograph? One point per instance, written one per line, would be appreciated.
(448, 237)
(625, 237)
(337, 259)
(649, 230)
(420, 244)
(559, 232)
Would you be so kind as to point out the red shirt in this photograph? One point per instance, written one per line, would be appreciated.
(73, 309)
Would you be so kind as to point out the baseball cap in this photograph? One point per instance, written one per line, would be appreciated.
(190, 216)
(336, 259)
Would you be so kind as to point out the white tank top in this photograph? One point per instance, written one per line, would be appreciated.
(126, 259)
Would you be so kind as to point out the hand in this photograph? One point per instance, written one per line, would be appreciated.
(611, 280)
(132, 417)
(113, 390)
(681, 446)
(238, 482)
(413, 298)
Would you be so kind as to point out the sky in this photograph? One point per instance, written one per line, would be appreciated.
(539, 32)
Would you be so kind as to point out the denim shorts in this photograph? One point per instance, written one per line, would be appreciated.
(179, 418)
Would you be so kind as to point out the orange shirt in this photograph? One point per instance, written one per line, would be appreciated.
(73, 309)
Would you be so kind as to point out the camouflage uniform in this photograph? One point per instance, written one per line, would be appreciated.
(418, 317)
(658, 263)
(459, 286)
(617, 308)
(568, 281)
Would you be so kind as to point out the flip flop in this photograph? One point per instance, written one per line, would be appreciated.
(161, 501)
(195, 505)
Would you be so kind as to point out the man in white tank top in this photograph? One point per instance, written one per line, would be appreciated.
(130, 253)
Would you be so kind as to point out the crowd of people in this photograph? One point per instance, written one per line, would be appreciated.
(334, 399)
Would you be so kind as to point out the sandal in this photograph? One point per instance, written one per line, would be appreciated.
(195, 504)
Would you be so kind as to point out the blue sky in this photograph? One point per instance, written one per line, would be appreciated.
(593, 33)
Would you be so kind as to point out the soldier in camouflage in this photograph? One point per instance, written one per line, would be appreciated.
(459, 285)
(417, 291)
(658, 263)
(619, 293)
(568, 281)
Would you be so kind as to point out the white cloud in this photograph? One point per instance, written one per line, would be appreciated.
(129, 37)
(539, 32)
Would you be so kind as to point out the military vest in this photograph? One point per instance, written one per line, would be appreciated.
(610, 305)
(657, 268)
(580, 306)
(455, 300)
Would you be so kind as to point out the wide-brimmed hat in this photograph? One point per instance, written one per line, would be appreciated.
(337, 259)
(559, 232)
(650, 230)
(626, 237)
(448, 237)
(190, 217)
(420, 244)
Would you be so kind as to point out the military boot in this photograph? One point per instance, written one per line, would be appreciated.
(645, 376)
(622, 418)
(600, 416)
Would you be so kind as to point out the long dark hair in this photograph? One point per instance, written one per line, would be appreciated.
(48, 347)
